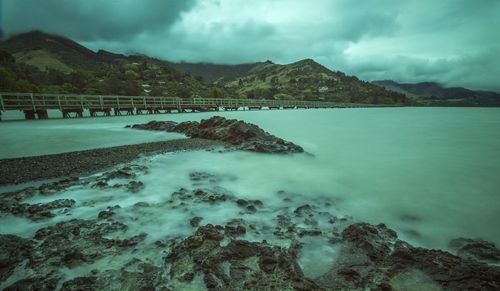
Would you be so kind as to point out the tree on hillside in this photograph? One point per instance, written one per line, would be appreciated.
(6, 58)
(156, 91)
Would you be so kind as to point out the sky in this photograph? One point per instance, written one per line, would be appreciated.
(453, 42)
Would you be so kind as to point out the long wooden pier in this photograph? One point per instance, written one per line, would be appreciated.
(35, 105)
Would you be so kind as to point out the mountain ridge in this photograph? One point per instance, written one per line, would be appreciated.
(435, 94)
(55, 64)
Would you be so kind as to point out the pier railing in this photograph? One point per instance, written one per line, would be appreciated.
(38, 104)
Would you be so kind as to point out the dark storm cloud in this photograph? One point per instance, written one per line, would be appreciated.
(454, 42)
(93, 20)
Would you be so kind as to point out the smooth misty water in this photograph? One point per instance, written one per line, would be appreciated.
(430, 173)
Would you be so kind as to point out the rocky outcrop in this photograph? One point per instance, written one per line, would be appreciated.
(476, 249)
(239, 134)
(372, 257)
(67, 244)
(13, 251)
(239, 265)
(77, 241)
(37, 211)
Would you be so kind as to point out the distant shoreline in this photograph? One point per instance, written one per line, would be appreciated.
(29, 169)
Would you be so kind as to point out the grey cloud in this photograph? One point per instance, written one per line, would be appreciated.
(454, 42)
(92, 20)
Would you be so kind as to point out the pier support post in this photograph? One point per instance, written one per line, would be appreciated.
(29, 114)
(67, 113)
(42, 114)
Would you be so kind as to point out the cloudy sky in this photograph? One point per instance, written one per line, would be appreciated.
(455, 42)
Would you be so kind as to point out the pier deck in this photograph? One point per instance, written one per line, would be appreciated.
(35, 105)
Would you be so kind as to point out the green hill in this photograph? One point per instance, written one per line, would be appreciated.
(40, 62)
(304, 80)
(53, 64)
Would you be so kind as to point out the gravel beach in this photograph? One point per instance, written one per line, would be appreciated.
(26, 169)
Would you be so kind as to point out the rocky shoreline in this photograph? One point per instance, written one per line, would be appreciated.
(245, 253)
(27, 169)
(106, 231)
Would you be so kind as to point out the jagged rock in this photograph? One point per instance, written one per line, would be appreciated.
(303, 210)
(476, 249)
(58, 186)
(239, 265)
(124, 173)
(135, 186)
(47, 282)
(249, 205)
(199, 196)
(239, 134)
(372, 257)
(234, 231)
(13, 250)
(35, 211)
(143, 276)
(120, 174)
(109, 212)
(195, 221)
(71, 243)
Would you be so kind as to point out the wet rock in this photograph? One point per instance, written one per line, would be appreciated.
(120, 174)
(195, 221)
(251, 209)
(242, 202)
(141, 204)
(241, 135)
(35, 211)
(109, 212)
(374, 241)
(101, 184)
(310, 232)
(303, 210)
(234, 231)
(203, 176)
(476, 249)
(239, 265)
(371, 257)
(125, 173)
(59, 186)
(156, 125)
(143, 276)
(81, 284)
(249, 205)
(13, 250)
(48, 282)
(210, 196)
(135, 186)
(447, 270)
(71, 243)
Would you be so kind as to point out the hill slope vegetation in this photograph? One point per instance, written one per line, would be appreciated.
(40, 62)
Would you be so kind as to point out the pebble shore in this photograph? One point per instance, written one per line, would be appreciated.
(27, 169)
